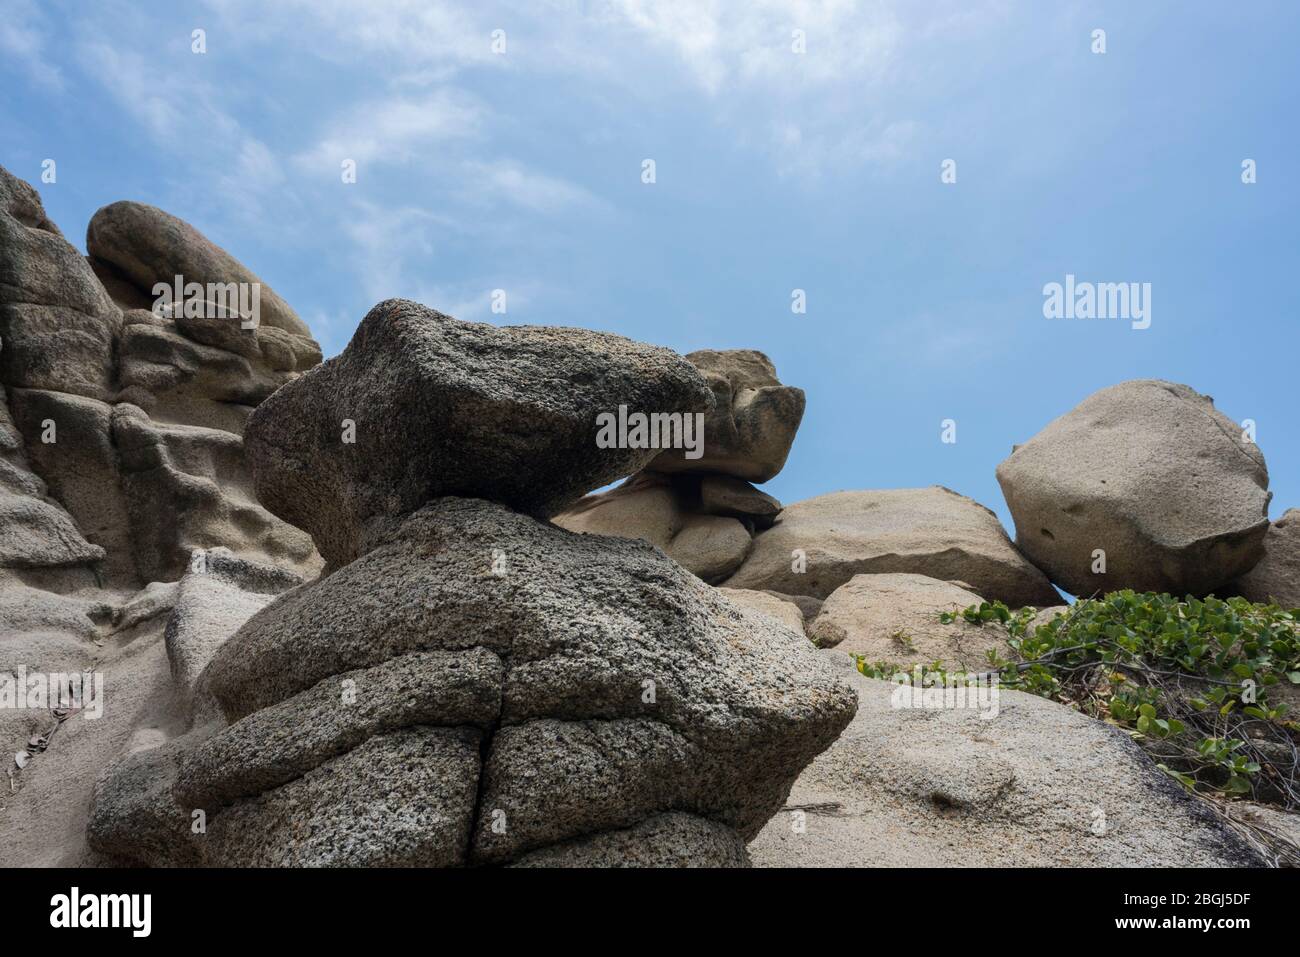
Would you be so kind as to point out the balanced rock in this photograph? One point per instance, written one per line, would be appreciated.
(820, 543)
(550, 687)
(1276, 577)
(894, 619)
(1153, 476)
(421, 405)
(1028, 783)
(753, 422)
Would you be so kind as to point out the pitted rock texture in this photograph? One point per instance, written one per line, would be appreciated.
(820, 543)
(421, 405)
(667, 840)
(1151, 474)
(602, 684)
(754, 419)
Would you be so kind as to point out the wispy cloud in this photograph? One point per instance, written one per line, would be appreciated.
(24, 35)
(393, 131)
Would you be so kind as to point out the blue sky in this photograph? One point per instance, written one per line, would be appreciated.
(775, 171)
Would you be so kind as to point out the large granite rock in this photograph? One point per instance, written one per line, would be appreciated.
(579, 685)
(754, 419)
(894, 619)
(1276, 576)
(421, 405)
(1036, 785)
(1151, 474)
(820, 543)
(147, 245)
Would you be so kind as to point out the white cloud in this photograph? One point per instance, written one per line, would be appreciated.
(23, 37)
(393, 131)
(723, 44)
(507, 180)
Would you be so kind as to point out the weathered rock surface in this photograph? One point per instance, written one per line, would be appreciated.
(443, 407)
(754, 419)
(709, 537)
(1039, 785)
(1153, 475)
(894, 619)
(531, 645)
(147, 246)
(188, 487)
(1276, 577)
(57, 323)
(667, 840)
(101, 502)
(35, 532)
(926, 531)
(218, 594)
(781, 609)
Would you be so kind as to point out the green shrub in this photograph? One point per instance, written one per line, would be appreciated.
(1193, 680)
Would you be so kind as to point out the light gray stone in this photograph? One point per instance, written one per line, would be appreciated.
(1039, 785)
(926, 531)
(1153, 475)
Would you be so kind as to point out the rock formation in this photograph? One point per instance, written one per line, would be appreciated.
(507, 414)
(1276, 577)
(703, 512)
(120, 455)
(1153, 476)
(753, 422)
(471, 684)
(1039, 785)
(370, 612)
(822, 542)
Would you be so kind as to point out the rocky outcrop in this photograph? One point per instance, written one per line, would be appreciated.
(560, 697)
(1276, 576)
(754, 419)
(120, 453)
(587, 688)
(1153, 476)
(894, 619)
(1037, 785)
(822, 542)
(510, 414)
(57, 323)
